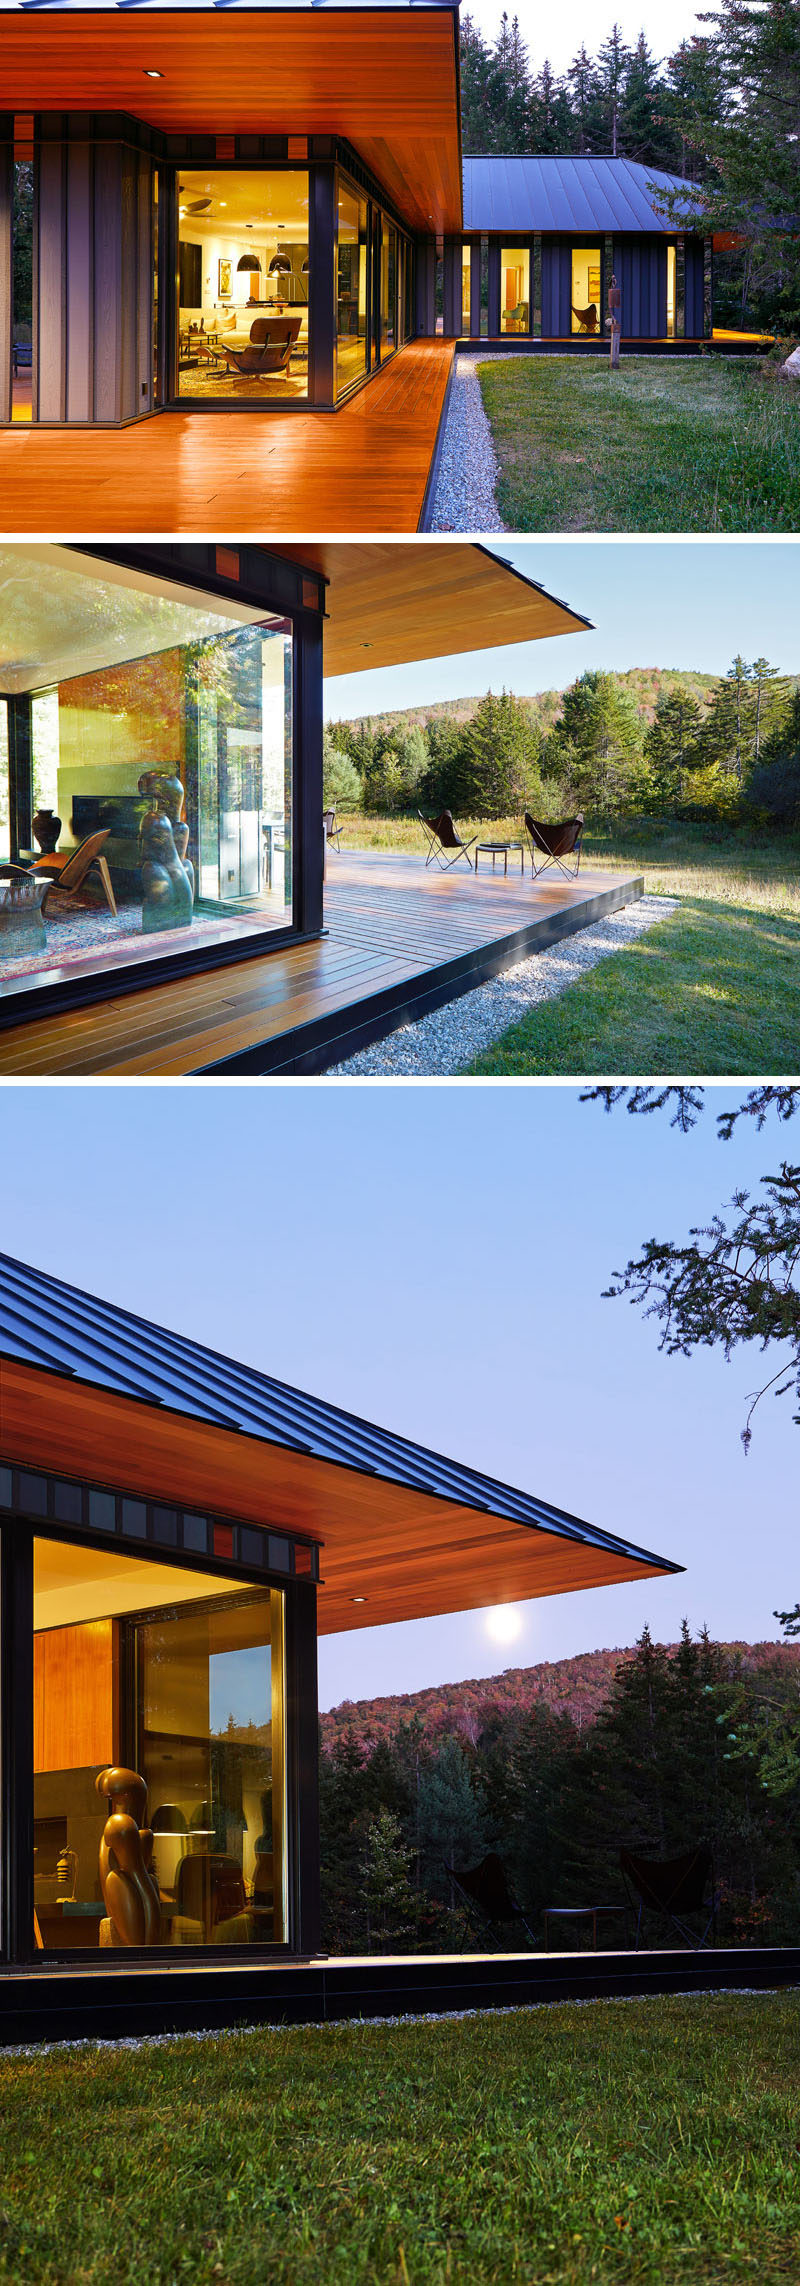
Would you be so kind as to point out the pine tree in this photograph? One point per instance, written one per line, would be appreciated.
(613, 65)
(671, 743)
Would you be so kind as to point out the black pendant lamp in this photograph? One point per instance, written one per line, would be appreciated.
(280, 262)
(248, 262)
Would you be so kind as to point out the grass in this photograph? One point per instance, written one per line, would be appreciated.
(707, 444)
(647, 2142)
(713, 988)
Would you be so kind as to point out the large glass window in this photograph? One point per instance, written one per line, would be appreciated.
(173, 1680)
(515, 290)
(586, 312)
(243, 271)
(466, 286)
(162, 743)
(388, 287)
(351, 289)
(670, 293)
(5, 842)
(22, 292)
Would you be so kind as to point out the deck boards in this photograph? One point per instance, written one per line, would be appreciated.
(399, 939)
(361, 469)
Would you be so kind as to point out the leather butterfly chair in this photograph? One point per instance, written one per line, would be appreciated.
(69, 870)
(269, 349)
(588, 318)
(558, 845)
(672, 1887)
(333, 831)
(445, 845)
(485, 1888)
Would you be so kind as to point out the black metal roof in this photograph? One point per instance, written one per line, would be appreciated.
(571, 194)
(56, 1327)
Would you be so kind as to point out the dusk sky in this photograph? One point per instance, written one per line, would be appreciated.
(653, 603)
(559, 36)
(287, 1225)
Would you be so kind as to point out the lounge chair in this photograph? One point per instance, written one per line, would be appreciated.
(333, 831)
(269, 349)
(69, 870)
(673, 1887)
(445, 845)
(558, 845)
(485, 1888)
(587, 319)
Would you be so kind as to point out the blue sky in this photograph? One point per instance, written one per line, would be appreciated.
(659, 603)
(286, 1225)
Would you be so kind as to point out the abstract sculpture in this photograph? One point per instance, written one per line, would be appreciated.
(167, 874)
(130, 1893)
(614, 319)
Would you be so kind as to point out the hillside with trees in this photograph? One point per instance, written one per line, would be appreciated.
(650, 743)
(558, 1768)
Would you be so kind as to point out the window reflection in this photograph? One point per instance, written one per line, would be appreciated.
(177, 1711)
(351, 290)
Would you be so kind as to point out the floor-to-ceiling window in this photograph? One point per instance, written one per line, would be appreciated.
(515, 289)
(352, 273)
(586, 314)
(388, 310)
(670, 293)
(161, 783)
(22, 292)
(5, 841)
(173, 1679)
(466, 286)
(243, 276)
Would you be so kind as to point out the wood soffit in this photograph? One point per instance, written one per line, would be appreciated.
(388, 604)
(387, 82)
(411, 1554)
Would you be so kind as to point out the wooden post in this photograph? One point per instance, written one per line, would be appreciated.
(615, 314)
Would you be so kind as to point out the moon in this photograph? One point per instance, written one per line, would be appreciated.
(504, 1623)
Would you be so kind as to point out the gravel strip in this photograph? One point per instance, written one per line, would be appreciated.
(440, 1045)
(464, 499)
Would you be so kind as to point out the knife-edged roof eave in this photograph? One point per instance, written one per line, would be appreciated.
(61, 1329)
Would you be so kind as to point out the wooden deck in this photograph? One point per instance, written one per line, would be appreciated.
(401, 940)
(362, 469)
(117, 1997)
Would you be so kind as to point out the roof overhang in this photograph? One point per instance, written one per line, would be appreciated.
(409, 1553)
(384, 79)
(389, 603)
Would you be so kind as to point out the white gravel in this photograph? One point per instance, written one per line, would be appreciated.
(440, 1045)
(464, 499)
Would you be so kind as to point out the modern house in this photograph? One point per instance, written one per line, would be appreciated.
(233, 207)
(161, 718)
(176, 1529)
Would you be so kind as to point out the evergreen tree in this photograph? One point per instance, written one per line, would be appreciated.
(390, 1902)
(595, 742)
(671, 744)
(340, 779)
(476, 130)
(452, 1823)
(752, 142)
(644, 133)
(551, 123)
(502, 757)
(585, 101)
(613, 65)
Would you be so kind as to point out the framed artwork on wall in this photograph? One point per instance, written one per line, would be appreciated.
(224, 287)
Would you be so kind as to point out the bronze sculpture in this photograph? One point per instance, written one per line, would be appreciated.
(167, 872)
(130, 1891)
(615, 318)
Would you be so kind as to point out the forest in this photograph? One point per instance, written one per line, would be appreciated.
(612, 746)
(722, 111)
(688, 1743)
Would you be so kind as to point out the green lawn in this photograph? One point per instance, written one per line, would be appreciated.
(713, 988)
(643, 2141)
(706, 444)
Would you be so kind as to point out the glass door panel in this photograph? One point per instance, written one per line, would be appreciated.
(585, 294)
(515, 304)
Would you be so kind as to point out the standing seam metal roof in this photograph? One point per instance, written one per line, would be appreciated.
(569, 194)
(60, 1329)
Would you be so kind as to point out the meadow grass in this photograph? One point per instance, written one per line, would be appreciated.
(706, 444)
(646, 2143)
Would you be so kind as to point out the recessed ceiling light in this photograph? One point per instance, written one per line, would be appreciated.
(358, 1599)
(154, 75)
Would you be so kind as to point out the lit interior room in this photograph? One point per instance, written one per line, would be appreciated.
(243, 251)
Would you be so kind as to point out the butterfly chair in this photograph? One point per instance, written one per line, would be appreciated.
(445, 845)
(332, 830)
(673, 1887)
(69, 871)
(587, 319)
(269, 349)
(484, 1888)
(558, 845)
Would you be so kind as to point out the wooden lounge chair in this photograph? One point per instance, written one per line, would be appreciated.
(69, 870)
(673, 1887)
(484, 1888)
(269, 349)
(445, 845)
(558, 845)
(333, 831)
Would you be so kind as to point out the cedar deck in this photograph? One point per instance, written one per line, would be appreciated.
(362, 469)
(123, 1997)
(400, 941)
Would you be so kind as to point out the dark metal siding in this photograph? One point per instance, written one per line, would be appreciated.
(640, 266)
(694, 278)
(53, 1326)
(556, 287)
